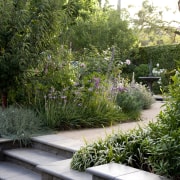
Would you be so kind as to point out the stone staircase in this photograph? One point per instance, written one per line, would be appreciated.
(49, 158)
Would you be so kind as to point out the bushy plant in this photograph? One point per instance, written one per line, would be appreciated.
(141, 71)
(155, 149)
(120, 148)
(133, 99)
(143, 95)
(129, 104)
(18, 124)
(83, 100)
(165, 151)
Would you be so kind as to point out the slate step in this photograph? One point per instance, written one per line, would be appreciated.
(57, 144)
(49, 156)
(10, 171)
(30, 157)
(61, 170)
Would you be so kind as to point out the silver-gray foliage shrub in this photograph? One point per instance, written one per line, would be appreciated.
(18, 124)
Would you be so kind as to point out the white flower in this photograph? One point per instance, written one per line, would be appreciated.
(128, 62)
(82, 65)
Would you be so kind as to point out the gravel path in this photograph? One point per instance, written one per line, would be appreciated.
(91, 135)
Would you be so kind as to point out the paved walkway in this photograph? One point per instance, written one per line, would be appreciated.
(91, 135)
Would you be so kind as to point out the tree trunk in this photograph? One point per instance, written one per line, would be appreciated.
(4, 100)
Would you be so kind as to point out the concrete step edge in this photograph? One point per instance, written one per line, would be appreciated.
(32, 156)
(60, 142)
(62, 170)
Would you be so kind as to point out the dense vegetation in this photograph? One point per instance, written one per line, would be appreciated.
(27, 36)
(65, 65)
(52, 56)
(155, 149)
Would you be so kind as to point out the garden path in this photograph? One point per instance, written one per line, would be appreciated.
(91, 135)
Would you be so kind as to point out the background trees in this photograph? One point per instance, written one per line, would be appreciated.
(151, 28)
(88, 25)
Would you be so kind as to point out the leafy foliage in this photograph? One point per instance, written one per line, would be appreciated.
(27, 36)
(99, 31)
(166, 56)
(141, 71)
(86, 104)
(166, 150)
(117, 148)
(155, 149)
(13, 46)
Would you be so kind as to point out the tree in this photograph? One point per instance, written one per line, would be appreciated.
(151, 28)
(101, 29)
(72, 11)
(27, 35)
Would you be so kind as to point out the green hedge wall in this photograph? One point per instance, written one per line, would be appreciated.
(166, 55)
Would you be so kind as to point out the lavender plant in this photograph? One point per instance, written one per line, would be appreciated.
(19, 124)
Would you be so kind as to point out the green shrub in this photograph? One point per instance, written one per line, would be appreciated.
(144, 96)
(141, 71)
(165, 152)
(18, 124)
(129, 104)
(133, 99)
(165, 55)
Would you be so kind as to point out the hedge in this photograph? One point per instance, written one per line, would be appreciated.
(166, 55)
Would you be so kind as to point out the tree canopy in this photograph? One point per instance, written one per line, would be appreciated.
(151, 28)
(28, 32)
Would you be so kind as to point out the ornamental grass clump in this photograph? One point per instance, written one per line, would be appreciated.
(81, 108)
(120, 148)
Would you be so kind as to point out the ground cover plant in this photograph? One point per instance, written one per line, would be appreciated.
(155, 149)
